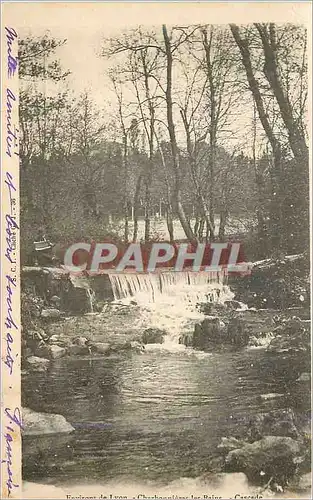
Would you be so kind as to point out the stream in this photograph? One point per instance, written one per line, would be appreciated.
(152, 417)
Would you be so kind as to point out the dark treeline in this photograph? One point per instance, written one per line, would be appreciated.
(206, 125)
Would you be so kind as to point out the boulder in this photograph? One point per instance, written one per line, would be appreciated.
(285, 344)
(230, 443)
(57, 352)
(273, 423)
(136, 346)
(99, 306)
(80, 341)
(37, 335)
(209, 333)
(237, 333)
(212, 308)
(233, 305)
(277, 283)
(35, 423)
(271, 457)
(55, 301)
(290, 326)
(126, 346)
(50, 351)
(153, 336)
(37, 364)
(51, 314)
(35, 360)
(54, 339)
(101, 347)
(77, 350)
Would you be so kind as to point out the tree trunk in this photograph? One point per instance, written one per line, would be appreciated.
(271, 71)
(169, 222)
(203, 209)
(223, 222)
(171, 129)
(136, 207)
(147, 208)
(169, 209)
(125, 204)
(212, 133)
(277, 177)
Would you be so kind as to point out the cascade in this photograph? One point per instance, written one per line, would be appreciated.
(169, 299)
(153, 285)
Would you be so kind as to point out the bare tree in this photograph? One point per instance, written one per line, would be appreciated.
(171, 130)
(124, 133)
(272, 73)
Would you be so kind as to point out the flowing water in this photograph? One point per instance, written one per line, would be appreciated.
(168, 300)
(158, 416)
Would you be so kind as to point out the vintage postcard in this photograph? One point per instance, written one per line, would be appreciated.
(155, 249)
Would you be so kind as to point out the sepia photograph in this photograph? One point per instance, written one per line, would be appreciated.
(160, 208)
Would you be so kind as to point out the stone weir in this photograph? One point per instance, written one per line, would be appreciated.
(80, 294)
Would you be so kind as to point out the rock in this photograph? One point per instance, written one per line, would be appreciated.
(126, 346)
(277, 283)
(136, 346)
(270, 457)
(292, 326)
(37, 335)
(99, 306)
(50, 351)
(304, 377)
(237, 334)
(60, 340)
(209, 333)
(54, 339)
(77, 350)
(232, 304)
(101, 347)
(292, 345)
(57, 352)
(43, 423)
(81, 341)
(51, 314)
(37, 364)
(230, 443)
(55, 301)
(36, 361)
(153, 336)
(274, 423)
(212, 333)
(211, 308)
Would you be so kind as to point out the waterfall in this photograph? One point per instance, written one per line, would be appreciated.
(168, 299)
(153, 285)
